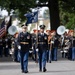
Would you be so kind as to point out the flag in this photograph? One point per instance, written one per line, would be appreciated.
(32, 17)
(2, 29)
(9, 23)
(6, 23)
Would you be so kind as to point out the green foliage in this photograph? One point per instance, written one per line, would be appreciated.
(42, 1)
(71, 23)
(67, 5)
(67, 13)
(21, 6)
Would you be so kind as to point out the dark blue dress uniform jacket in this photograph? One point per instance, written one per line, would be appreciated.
(42, 42)
(26, 38)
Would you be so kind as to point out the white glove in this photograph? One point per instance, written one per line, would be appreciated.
(37, 50)
(30, 51)
(52, 42)
(32, 48)
(19, 47)
(12, 42)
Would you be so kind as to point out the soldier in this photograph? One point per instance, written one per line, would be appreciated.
(55, 44)
(70, 33)
(72, 40)
(66, 44)
(24, 41)
(16, 51)
(42, 48)
(34, 44)
(49, 46)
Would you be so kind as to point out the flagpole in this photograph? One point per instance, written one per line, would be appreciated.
(37, 43)
(37, 38)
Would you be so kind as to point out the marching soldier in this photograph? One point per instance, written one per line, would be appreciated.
(34, 44)
(72, 40)
(42, 48)
(16, 51)
(70, 46)
(24, 41)
(66, 45)
(55, 44)
(49, 46)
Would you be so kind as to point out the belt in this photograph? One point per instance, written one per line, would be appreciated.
(41, 42)
(24, 43)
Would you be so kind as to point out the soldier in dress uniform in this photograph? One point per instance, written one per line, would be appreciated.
(72, 40)
(70, 33)
(55, 44)
(16, 51)
(49, 46)
(42, 48)
(1, 47)
(66, 45)
(24, 42)
(34, 44)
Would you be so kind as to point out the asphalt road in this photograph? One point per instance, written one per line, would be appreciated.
(62, 66)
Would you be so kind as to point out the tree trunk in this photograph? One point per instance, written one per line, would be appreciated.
(54, 14)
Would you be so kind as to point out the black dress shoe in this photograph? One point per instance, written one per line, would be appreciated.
(44, 70)
(49, 61)
(40, 70)
(25, 71)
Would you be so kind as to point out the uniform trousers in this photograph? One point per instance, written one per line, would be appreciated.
(42, 59)
(49, 56)
(73, 53)
(15, 55)
(24, 60)
(70, 54)
(55, 54)
(6, 52)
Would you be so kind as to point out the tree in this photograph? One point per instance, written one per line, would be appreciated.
(54, 12)
(64, 7)
(67, 12)
(20, 7)
(67, 5)
(23, 7)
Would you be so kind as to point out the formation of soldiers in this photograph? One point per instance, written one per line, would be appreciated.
(5, 46)
(43, 47)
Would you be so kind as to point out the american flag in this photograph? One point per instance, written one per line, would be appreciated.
(6, 23)
(2, 29)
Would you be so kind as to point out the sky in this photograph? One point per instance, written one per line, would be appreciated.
(3, 13)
